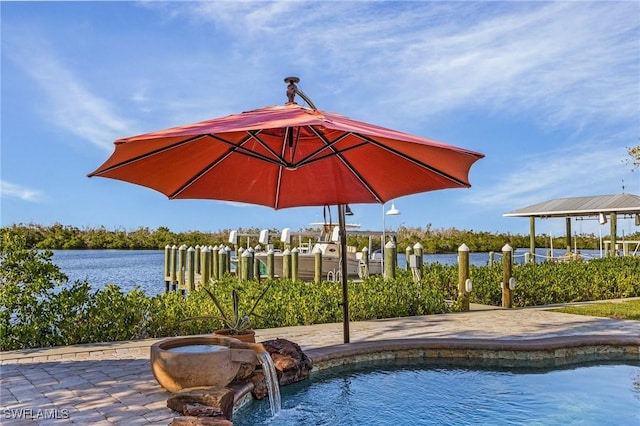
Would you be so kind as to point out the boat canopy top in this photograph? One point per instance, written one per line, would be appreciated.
(591, 206)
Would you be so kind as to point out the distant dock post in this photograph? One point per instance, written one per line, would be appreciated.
(464, 284)
(251, 266)
(240, 264)
(613, 247)
(294, 264)
(227, 249)
(365, 261)
(390, 260)
(286, 264)
(317, 270)
(270, 264)
(182, 261)
(222, 262)
(172, 267)
(205, 265)
(508, 282)
(532, 240)
(246, 271)
(256, 263)
(191, 268)
(214, 266)
(167, 268)
(197, 259)
(418, 252)
(408, 252)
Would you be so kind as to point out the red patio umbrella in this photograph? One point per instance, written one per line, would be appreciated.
(288, 156)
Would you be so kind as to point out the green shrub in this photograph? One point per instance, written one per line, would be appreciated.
(28, 317)
(486, 284)
(37, 310)
(550, 283)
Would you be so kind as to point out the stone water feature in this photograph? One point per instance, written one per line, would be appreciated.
(203, 360)
(209, 374)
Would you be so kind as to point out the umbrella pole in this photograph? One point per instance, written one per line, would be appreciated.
(343, 265)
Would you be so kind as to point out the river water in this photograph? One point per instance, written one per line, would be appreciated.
(126, 268)
(145, 268)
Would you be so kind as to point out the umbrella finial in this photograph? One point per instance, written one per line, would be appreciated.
(291, 88)
(292, 91)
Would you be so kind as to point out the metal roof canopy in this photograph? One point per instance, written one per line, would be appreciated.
(581, 206)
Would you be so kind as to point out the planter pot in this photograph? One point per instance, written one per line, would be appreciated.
(247, 336)
(203, 360)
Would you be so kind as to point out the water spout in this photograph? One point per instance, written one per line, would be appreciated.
(271, 379)
(269, 370)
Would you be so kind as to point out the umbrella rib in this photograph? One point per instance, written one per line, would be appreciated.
(178, 144)
(311, 159)
(359, 177)
(278, 185)
(197, 176)
(249, 153)
(276, 201)
(148, 154)
(414, 161)
(338, 154)
(328, 144)
(254, 135)
(233, 148)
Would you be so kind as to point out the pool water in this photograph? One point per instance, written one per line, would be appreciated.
(197, 348)
(411, 394)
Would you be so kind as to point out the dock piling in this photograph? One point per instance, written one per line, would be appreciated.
(205, 265)
(508, 282)
(294, 264)
(463, 276)
(390, 260)
(191, 268)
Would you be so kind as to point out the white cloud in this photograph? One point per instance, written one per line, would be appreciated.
(553, 174)
(566, 61)
(570, 63)
(555, 63)
(68, 103)
(8, 189)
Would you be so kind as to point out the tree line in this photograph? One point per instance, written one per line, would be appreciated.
(441, 240)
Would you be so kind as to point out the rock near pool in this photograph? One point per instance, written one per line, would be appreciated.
(218, 400)
(200, 421)
(292, 365)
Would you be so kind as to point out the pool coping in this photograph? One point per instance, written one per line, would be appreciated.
(561, 350)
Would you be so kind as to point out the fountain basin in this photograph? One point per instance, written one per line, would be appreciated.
(202, 360)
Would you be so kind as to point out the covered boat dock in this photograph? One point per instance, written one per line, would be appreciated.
(604, 208)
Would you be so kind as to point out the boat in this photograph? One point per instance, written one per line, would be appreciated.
(327, 242)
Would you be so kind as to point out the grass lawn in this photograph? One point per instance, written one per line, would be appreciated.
(626, 310)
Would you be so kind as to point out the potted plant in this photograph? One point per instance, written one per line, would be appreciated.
(236, 325)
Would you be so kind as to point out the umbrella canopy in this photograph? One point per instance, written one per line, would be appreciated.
(289, 156)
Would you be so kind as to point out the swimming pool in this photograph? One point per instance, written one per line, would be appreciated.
(415, 393)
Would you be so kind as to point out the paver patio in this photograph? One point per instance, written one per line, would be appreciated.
(112, 383)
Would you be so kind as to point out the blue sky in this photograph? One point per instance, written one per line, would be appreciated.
(549, 92)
